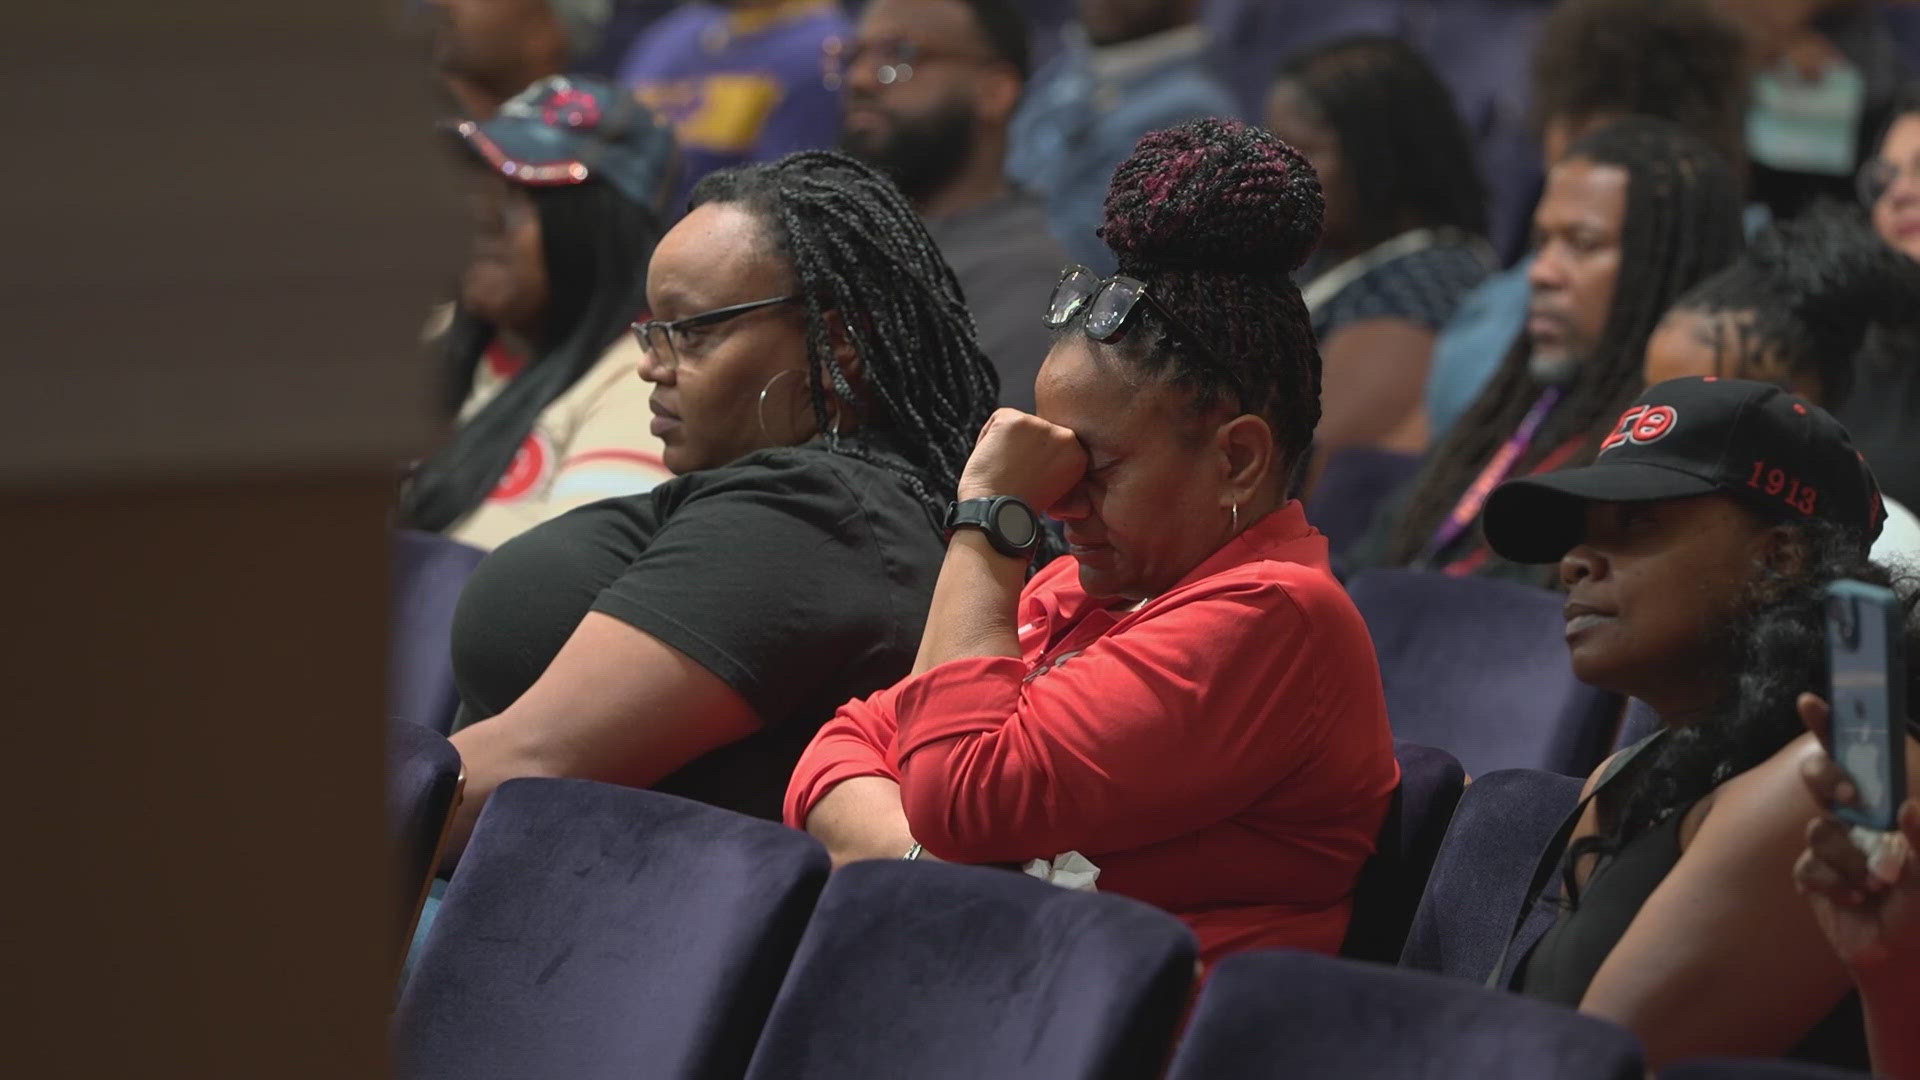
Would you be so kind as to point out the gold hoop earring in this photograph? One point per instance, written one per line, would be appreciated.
(760, 410)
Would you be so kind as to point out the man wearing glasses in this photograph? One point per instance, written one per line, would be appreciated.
(928, 88)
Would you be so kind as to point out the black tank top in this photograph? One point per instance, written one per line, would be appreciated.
(1565, 961)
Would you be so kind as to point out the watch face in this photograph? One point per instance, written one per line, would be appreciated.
(1015, 523)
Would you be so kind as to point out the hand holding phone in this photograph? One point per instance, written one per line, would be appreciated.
(1867, 681)
(1866, 898)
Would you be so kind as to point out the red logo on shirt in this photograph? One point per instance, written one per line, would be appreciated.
(529, 468)
(1642, 424)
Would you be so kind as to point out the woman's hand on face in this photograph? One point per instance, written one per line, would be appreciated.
(1868, 909)
(1024, 456)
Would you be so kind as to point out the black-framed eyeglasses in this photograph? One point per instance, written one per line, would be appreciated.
(677, 337)
(1109, 303)
(1878, 176)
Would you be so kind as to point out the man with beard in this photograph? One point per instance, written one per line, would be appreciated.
(1595, 62)
(1634, 214)
(929, 89)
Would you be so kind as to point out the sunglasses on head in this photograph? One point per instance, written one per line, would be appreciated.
(1109, 304)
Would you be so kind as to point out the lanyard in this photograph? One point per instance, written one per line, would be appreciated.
(1475, 499)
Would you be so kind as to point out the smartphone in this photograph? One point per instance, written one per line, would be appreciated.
(1867, 682)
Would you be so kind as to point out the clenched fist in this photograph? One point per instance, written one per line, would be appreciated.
(1024, 456)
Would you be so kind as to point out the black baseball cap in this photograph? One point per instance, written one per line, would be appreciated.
(1783, 456)
(569, 129)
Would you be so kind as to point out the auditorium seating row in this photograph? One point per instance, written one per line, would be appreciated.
(598, 931)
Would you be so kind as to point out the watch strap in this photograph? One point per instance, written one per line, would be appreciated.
(984, 514)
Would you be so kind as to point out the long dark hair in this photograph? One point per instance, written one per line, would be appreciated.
(1890, 349)
(1808, 291)
(1406, 150)
(1905, 103)
(1777, 650)
(1682, 223)
(867, 268)
(596, 243)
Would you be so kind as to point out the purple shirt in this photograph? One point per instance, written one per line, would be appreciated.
(741, 86)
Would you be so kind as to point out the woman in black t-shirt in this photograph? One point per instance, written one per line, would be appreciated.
(817, 387)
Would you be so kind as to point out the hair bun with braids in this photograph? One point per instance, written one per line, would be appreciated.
(1213, 195)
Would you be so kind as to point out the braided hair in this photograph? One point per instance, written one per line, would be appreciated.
(595, 243)
(867, 268)
(1214, 216)
(1682, 223)
(1806, 292)
(1776, 650)
(1407, 153)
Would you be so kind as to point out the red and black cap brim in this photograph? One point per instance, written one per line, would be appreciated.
(1538, 519)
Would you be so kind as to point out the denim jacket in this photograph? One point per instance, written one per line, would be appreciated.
(1085, 110)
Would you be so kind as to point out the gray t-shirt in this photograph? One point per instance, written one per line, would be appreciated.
(1007, 263)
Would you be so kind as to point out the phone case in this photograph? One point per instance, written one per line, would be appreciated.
(1866, 668)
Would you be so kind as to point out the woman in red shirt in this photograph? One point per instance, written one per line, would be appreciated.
(1189, 700)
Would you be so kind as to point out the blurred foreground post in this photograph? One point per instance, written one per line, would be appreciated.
(224, 222)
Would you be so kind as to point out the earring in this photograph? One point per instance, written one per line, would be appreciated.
(1236, 517)
(760, 410)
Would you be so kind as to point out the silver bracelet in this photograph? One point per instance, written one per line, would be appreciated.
(913, 852)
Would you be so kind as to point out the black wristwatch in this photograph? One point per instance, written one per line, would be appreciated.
(1011, 525)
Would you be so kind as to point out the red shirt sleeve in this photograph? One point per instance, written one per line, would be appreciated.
(858, 741)
(1176, 721)
(854, 743)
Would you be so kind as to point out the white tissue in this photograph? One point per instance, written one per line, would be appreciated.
(1069, 871)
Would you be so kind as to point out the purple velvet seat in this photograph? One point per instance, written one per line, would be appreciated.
(429, 571)
(594, 931)
(1393, 879)
(1353, 485)
(930, 970)
(1769, 1069)
(1309, 1017)
(1479, 668)
(1504, 822)
(423, 781)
